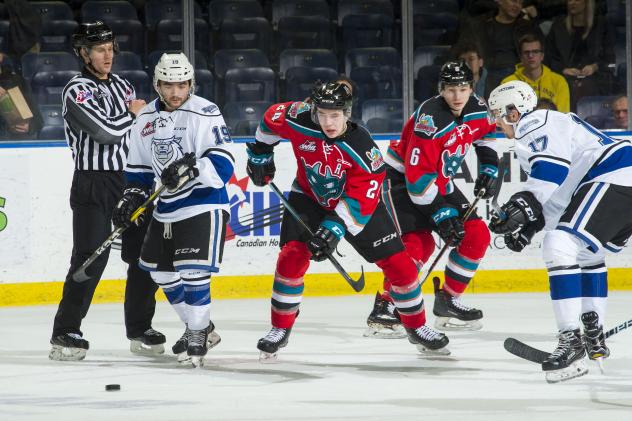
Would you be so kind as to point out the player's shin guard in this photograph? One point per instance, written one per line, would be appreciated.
(173, 288)
(287, 290)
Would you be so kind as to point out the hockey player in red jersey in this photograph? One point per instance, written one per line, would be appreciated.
(422, 197)
(339, 175)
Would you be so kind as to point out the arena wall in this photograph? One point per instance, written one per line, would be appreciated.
(36, 237)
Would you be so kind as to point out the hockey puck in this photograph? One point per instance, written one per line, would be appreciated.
(112, 387)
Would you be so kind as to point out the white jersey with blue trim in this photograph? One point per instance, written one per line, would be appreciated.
(159, 138)
(560, 152)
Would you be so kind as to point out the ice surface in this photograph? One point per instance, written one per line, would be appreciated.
(329, 371)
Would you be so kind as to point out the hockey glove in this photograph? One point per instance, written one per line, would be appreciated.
(133, 198)
(449, 225)
(179, 172)
(325, 239)
(521, 209)
(486, 180)
(260, 167)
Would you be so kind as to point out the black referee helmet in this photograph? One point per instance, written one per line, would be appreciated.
(89, 34)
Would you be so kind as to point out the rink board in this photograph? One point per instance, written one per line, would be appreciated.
(36, 233)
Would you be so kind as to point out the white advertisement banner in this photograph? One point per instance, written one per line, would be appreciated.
(36, 221)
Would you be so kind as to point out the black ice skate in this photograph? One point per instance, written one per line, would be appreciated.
(384, 320)
(567, 361)
(270, 344)
(594, 339)
(428, 341)
(197, 349)
(181, 345)
(150, 343)
(452, 314)
(68, 347)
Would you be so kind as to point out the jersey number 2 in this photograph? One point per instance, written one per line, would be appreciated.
(370, 193)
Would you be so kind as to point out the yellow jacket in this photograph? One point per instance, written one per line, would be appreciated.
(549, 85)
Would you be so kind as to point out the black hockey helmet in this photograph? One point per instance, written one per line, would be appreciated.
(89, 34)
(455, 73)
(331, 96)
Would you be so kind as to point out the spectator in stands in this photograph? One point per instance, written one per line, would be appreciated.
(471, 54)
(580, 46)
(620, 111)
(498, 34)
(546, 83)
(545, 104)
(25, 27)
(26, 129)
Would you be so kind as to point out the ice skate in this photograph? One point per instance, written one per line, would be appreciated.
(452, 314)
(196, 348)
(68, 347)
(270, 344)
(567, 361)
(384, 321)
(150, 343)
(181, 345)
(594, 339)
(428, 341)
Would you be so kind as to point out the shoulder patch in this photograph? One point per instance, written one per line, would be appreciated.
(298, 108)
(148, 129)
(83, 96)
(425, 124)
(534, 122)
(209, 109)
(376, 158)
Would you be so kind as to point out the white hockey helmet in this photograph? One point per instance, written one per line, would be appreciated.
(174, 67)
(512, 95)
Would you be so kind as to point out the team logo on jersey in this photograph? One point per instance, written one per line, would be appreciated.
(209, 109)
(308, 146)
(450, 141)
(129, 95)
(297, 108)
(451, 162)
(425, 124)
(166, 151)
(376, 158)
(83, 96)
(148, 129)
(325, 184)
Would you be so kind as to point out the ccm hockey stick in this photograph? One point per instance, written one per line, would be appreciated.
(529, 353)
(80, 274)
(499, 182)
(356, 285)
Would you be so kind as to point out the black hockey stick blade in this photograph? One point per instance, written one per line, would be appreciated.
(529, 353)
(524, 351)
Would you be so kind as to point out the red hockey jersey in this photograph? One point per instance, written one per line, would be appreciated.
(343, 176)
(434, 143)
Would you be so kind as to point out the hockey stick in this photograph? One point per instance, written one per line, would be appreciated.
(80, 274)
(499, 182)
(356, 285)
(529, 353)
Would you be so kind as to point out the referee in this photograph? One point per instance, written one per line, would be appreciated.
(99, 109)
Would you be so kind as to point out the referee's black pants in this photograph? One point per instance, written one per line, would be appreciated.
(92, 197)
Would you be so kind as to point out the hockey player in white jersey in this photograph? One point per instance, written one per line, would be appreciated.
(179, 141)
(579, 190)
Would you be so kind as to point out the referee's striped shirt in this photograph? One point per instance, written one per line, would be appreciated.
(97, 122)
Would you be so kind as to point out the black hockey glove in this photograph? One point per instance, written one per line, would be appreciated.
(449, 225)
(260, 167)
(521, 209)
(325, 239)
(179, 172)
(133, 198)
(486, 180)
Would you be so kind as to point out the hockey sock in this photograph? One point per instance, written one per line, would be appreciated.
(173, 288)
(405, 291)
(287, 290)
(595, 290)
(464, 259)
(197, 296)
(566, 290)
